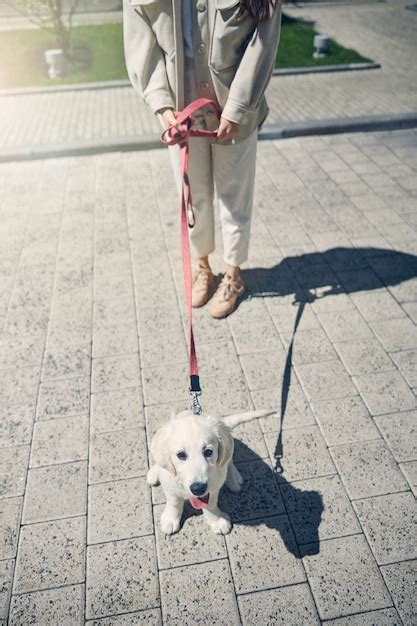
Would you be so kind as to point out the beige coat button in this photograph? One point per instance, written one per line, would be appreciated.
(204, 85)
(201, 47)
(201, 6)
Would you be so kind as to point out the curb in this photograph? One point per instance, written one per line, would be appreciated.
(367, 123)
(322, 69)
(117, 84)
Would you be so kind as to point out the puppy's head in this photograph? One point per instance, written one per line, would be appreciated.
(193, 448)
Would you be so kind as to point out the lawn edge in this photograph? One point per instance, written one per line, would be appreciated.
(117, 84)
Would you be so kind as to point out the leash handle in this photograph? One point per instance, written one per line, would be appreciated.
(171, 136)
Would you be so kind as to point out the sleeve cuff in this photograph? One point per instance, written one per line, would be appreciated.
(159, 99)
(235, 112)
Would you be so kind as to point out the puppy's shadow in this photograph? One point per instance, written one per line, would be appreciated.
(268, 498)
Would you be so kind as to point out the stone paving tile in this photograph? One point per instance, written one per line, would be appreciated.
(344, 578)
(259, 496)
(194, 543)
(115, 340)
(9, 527)
(13, 468)
(264, 554)
(344, 326)
(285, 315)
(292, 605)
(51, 554)
(250, 339)
(226, 394)
(16, 425)
(305, 454)
(325, 380)
(167, 348)
(288, 401)
(72, 362)
(377, 305)
(66, 489)
(210, 599)
(400, 432)
(6, 579)
(410, 472)
(368, 469)
(119, 510)
(383, 617)
(411, 310)
(62, 398)
(400, 579)
(64, 606)
(389, 523)
(364, 357)
(344, 420)
(319, 508)
(256, 365)
(19, 386)
(310, 346)
(121, 577)
(169, 386)
(116, 410)
(249, 443)
(396, 334)
(150, 618)
(385, 392)
(120, 454)
(407, 364)
(115, 372)
(59, 441)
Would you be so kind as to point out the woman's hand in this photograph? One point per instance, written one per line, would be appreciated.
(226, 130)
(171, 120)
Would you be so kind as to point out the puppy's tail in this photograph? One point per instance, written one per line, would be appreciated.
(232, 421)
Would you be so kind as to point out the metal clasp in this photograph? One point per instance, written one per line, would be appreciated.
(195, 405)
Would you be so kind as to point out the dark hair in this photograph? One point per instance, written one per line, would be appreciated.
(257, 9)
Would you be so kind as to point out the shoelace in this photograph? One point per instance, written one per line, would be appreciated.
(228, 288)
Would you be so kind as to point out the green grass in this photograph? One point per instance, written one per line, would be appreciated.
(22, 64)
(296, 47)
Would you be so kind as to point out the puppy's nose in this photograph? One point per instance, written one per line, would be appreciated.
(198, 489)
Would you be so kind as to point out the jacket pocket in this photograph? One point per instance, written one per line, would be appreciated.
(230, 36)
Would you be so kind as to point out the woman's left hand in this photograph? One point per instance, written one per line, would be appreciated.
(226, 130)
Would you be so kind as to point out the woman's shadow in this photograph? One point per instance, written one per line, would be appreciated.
(266, 494)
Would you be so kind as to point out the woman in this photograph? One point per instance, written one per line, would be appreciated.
(225, 50)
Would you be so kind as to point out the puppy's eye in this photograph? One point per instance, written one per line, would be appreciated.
(208, 452)
(181, 455)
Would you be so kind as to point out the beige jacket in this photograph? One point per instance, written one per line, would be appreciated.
(240, 56)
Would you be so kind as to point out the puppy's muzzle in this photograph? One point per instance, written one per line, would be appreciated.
(198, 489)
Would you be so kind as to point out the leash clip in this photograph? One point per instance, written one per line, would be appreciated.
(195, 405)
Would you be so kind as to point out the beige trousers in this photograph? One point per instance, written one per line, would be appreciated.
(225, 172)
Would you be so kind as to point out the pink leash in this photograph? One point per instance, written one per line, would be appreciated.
(169, 137)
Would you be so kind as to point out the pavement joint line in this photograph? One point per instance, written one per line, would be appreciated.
(366, 123)
(124, 82)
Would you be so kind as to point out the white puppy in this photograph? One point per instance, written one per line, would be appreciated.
(193, 457)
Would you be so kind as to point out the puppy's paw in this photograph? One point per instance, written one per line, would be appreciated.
(222, 525)
(152, 477)
(169, 524)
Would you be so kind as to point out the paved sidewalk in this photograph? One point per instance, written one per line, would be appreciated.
(384, 32)
(93, 358)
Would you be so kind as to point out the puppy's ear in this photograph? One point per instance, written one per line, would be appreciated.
(160, 449)
(225, 443)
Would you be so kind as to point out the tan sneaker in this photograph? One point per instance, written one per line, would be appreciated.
(226, 297)
(203, 285)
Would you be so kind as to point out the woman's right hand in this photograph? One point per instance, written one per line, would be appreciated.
(170, 120)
